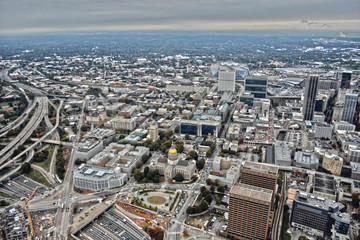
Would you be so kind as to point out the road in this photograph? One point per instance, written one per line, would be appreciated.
(63, 218)
(276, 229)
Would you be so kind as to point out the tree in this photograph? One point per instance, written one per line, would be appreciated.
(25, 168)
(189, 210)
(187, 137)
(208, 181)
(150, 175)
(146, 170)
(138, 175)
(85, 128)
(204, 206)
(200, 164)
(355, 200)
(208, 197)
(180, 148)
(212, 189)
(221, 189)
(202, 189)
(179, 177)
(145, 158)
(193, 155)
(209, 153)
(139, 164)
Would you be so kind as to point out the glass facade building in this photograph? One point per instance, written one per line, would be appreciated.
(206, 129)
(189, 129)
(256, 85)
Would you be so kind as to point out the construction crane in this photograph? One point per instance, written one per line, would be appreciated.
(28, 213)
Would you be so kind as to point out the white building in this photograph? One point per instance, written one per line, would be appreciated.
(323, 130)
(353, 154)
(88, 148)
(226, 81)
(121, 122)
(343, 126)
(97, 179)
(120, 156)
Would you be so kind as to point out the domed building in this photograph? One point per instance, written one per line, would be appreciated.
(172, 165)
(172, 155)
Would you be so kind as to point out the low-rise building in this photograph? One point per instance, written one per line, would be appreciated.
(313, 213)
(88, 148)
(120, 156)
(306, 160)
(120, 122)
(343, 126)
(355, 170)
(323, 130)
(94, 178)
(282, 153)
(332, 163)
(353, 154)
(172, 165)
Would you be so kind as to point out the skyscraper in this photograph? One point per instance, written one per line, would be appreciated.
(345, 79)
(349, 107)
(226, 81)
(259, 175)
(310, 98)
(154, 131)
(249, 212)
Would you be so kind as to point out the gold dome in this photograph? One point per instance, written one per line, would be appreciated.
(172, 150)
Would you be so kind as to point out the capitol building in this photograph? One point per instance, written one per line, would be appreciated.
(172, 165)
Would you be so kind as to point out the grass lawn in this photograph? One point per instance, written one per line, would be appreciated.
(2, 194)
(38, 177)
(156, 200)
(46, 164)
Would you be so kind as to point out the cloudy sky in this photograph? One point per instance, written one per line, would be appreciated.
(74, 15)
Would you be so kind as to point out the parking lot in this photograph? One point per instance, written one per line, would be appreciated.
(19, 187)
(111, 224)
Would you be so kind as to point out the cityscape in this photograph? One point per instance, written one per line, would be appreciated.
(187, 132)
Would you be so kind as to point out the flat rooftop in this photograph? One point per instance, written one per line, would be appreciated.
(317, 201)
(252, 192)
(261, 167)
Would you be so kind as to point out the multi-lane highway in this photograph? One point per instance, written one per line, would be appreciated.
(63, 219)
(25, 133)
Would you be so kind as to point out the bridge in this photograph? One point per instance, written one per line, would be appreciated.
(284, 97)
(52, 141)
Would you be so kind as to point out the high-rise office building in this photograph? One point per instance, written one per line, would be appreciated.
(154, 131)
(345, 79)
(249, 212)
(259, 175)
(226, 81)
(256, 85)
(310, 97)
(349, 107)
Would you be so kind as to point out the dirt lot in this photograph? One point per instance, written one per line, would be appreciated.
(197, 222)
(150, 218)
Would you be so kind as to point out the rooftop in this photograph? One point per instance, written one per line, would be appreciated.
(261, 167)
(320, 202)
(252, 192)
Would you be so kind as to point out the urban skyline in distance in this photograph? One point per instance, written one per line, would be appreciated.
(179, 120)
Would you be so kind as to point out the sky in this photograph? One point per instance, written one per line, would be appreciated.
(27, 16)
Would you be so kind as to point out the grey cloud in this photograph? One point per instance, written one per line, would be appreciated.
(77, 14)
